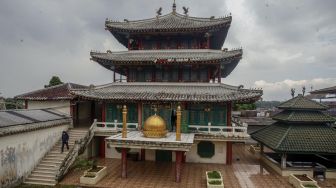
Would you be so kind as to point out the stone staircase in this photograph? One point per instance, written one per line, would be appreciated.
(45, 172)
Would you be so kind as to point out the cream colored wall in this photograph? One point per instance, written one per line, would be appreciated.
(60, 105)
(114, 154)
(20, 153)
(219, 157)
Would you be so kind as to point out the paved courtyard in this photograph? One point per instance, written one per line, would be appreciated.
(246, 172)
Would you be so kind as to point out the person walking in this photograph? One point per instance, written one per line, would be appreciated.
(65, 139)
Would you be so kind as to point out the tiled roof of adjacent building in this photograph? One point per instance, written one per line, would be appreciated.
(17, 121)
(325, 90)
(305, 139)
(303, 116)
(167, 23)
(301, 103)
(58, 92)
(160, 91)
(301, 128)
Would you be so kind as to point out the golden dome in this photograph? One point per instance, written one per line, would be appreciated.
(155, 127)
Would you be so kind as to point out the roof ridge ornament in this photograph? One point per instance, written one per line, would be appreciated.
(186, 10)
(174, 7)
(159, 12)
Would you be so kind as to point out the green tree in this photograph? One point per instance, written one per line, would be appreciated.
(244, 106)
(55, 80)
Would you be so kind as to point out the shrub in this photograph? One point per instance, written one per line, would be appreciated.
(215, 182)
(214, 175)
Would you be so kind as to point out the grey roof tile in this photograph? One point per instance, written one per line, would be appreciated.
(160, 91)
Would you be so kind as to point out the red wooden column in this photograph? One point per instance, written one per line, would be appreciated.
(103, 108)
(142, 151)
(178, 166)
(102, 147)
(229, 144)
(26, 104)
(123, 163)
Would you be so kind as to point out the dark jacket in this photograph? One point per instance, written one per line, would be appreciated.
(65, 137)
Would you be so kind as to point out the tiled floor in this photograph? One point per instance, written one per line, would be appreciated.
(245, 172)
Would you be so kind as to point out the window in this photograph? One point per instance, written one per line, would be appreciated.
(206, 149)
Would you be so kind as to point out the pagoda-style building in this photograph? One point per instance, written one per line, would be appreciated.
(167, 95)
(301, 139)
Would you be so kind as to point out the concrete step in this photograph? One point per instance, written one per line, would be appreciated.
(42, 180)
(42, 175)
(46, 172)
(44, 161)
(41, 168)
(39, 183)
(56, 155)
(47, 165)
(58, 152)
(56, 158)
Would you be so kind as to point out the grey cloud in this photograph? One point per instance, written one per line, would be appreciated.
(41, 38)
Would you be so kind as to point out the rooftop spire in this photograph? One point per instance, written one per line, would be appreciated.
(174, 7)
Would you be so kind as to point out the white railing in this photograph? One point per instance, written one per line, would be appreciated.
(113, 126)
(229, 131)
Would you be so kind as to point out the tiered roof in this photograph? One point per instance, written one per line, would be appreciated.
(185, 56)
(58, 92)
(302, 103)
(159, 91)
(169, 23)
(325, 90)
(302, 127)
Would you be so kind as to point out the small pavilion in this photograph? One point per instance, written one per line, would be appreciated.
(301, 138)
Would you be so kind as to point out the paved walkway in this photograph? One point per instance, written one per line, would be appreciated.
(246, 172)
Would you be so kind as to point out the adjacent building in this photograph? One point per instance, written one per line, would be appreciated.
(25, 137)
(301, 140)
(59, 98)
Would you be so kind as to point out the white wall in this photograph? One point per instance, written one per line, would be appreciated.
(20, 153)
(60, 105)
(114, 154)
(219, 157)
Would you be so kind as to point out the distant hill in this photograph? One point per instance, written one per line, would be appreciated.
(267, 104)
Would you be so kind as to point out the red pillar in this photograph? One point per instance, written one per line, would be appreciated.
(139, 116)
(229, 144)
(102, 147)
(103, 112)
(123, 163)
(184, 156)
(178, 166)
(142, 154)
(26, 104)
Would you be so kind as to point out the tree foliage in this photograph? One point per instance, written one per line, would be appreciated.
(55, 80)
(238, 107)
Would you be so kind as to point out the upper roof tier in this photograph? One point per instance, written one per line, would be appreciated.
(170, 23)
(301, 103)
(181, 56)
(173, 22)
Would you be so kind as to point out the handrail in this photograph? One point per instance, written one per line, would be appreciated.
(78, 148)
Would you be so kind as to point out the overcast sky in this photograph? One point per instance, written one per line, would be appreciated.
(287, 43)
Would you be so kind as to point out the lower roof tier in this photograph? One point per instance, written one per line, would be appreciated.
(298, 139)
(228, 60)
(161, 91)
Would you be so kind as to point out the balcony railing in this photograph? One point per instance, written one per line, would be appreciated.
(236, 130)
(113, 126)
(227, 131)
